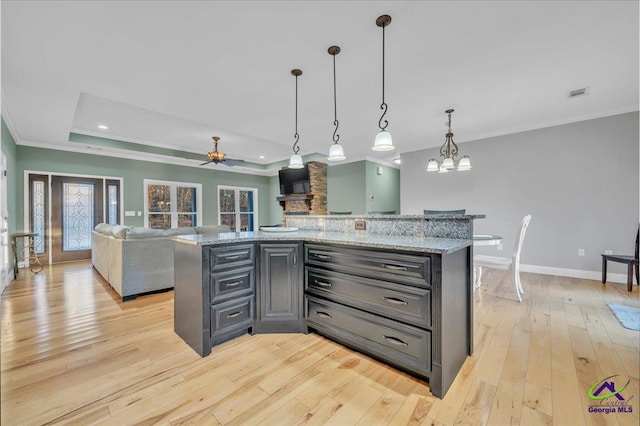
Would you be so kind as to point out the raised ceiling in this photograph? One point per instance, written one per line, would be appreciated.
(173, 74)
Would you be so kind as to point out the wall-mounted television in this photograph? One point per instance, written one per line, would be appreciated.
(294, 181)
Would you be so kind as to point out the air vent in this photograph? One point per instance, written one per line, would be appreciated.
(579, 92)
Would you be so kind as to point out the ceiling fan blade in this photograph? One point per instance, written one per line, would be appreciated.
(230, 162)
(207, 162)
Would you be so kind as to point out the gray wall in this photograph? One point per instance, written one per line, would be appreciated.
(579, 181)
(134, 172)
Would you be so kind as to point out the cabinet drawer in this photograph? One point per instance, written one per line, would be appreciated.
(399, 344)
(384, 265)
(232, 283)
(234, 314)
(232, 255)
(402, 302)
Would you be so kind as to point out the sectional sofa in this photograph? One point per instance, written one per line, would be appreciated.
(135, 260)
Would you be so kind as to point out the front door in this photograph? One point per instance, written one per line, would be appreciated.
(76, 208)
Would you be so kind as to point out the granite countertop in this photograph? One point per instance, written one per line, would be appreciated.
(389, 216)
(357, 239)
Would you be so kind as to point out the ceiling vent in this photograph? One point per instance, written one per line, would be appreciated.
(579, 92)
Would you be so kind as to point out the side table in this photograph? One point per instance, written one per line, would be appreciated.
(29, 252)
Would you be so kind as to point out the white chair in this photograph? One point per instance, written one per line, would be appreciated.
(504, 263)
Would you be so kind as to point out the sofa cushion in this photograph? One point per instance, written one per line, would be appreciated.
(179, 231)
(120, 231)
(141, 233)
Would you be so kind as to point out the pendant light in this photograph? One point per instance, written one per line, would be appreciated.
(383, 140)
(449, 151)
(336, 153)
(295, 162)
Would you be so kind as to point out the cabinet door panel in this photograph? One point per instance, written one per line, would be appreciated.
(279, 291)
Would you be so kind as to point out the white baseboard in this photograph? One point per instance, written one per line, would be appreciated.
(574, 273)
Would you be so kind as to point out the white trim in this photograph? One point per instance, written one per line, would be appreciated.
(173, 191)
(237, 204)
(574, 273)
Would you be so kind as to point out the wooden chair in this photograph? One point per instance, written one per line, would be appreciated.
(374, 212)
(503, 263)
(439, 212)
(630, 261)
(340, 213)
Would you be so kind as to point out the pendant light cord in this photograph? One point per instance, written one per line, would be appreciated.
(383, 106)
(336, 136)
(296, 148)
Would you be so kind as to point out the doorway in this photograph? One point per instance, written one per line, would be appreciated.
(63, 210)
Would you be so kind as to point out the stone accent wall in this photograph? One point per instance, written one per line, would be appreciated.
(318, 178)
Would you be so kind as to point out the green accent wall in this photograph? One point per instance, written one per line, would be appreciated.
(350, 187)
(134, 172)
(346, 188)
(385, 188)
(9, 148)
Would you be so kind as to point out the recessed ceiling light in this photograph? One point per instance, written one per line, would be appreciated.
(397, 160)
(262, 157)
(103, 127)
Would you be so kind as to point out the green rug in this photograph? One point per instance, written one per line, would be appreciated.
(628, 316)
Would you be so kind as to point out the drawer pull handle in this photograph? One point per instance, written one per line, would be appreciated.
(395, 341)
(394, 267)
(231, 256)
(322, 283)
(322, 256)
(394, 300)
(323, 314)
(237, 283)
(235, 314)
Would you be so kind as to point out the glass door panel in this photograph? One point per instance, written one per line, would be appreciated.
(77, 216)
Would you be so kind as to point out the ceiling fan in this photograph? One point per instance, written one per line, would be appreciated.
(218, 157)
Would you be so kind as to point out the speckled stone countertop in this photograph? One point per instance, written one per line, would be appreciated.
(390, 216)
(357, 239)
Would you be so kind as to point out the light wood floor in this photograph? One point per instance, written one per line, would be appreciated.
(72, 353)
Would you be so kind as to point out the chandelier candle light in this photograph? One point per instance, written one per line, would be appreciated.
(295, 162)
(336, 153)
(449, 151)
(383, 140)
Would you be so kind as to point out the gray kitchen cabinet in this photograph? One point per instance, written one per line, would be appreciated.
(279, 293)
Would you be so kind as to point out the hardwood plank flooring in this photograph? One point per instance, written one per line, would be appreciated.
(73, 353)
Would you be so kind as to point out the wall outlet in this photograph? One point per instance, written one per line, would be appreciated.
(608, 252)
(580, 252)
(361, 225)
(139, 213)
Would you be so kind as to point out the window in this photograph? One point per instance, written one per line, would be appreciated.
(172, 204)
(237, 207)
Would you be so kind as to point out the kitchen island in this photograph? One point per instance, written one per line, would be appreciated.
(406, 300)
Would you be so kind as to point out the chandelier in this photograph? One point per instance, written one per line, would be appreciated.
(449, 152)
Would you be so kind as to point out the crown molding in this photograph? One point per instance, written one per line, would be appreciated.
(6, 116)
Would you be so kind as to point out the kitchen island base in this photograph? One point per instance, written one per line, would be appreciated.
(411, 309)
